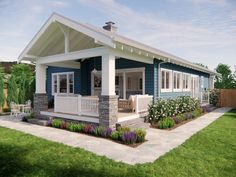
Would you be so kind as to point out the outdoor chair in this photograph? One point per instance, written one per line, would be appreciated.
(15, 111)
(27, 107)
(128, 105)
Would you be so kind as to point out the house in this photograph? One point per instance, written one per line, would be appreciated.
(88, 71)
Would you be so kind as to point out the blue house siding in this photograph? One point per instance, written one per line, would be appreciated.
(167, 95)
(51, 70)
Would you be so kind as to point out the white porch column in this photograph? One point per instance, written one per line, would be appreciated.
(108, 74)
(40, 78)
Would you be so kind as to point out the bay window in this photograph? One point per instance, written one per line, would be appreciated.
(177, 81)
(166, 77)
(63, 83)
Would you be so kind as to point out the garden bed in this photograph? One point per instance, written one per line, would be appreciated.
(172, 113)
(122, 135)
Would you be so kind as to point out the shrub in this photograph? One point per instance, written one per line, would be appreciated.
(181, 117)
(56, 123)
(188, 116)
(64, 125)
(107, 132)
(176, 119)
(89, 129)
(81, 127)
(214, 97)
(99, 131)
(129, 137)
(74, 127)
(197, 112)
(170, 107)
(140, 135)
(166, 123)
(115, 135)
(121, 131)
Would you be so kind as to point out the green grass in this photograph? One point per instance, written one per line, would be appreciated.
(211, 152)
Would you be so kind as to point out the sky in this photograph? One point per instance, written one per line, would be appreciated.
(202, 31)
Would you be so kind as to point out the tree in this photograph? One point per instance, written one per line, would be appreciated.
(12, 90)
(24, 79)
(224, 78)
(2, 96)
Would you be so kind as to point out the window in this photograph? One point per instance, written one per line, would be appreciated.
(140, 84)
(166, 80)
(177, 81)
(186, 81)
(63, 83)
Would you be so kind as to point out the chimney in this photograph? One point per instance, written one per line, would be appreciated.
(110, 26)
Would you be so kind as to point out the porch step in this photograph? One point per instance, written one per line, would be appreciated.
(38, 121)
(134, 123)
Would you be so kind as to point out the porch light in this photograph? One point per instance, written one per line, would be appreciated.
(94, 71)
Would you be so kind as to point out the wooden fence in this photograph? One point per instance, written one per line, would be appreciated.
(228, 97)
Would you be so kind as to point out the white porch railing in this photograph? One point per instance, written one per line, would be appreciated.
(76, 104)
(142, 102)
(205, 97)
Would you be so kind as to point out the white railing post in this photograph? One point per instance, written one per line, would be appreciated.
(55, 103)
(79, 104)
(136, 104)
(208, 97)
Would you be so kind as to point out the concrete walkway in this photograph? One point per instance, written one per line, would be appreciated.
(159, 141)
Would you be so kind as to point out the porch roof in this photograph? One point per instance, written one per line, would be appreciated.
(50, 40)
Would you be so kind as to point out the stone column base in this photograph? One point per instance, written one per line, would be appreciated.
(40, 103)
(108, 109)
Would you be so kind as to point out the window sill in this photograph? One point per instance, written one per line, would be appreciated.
(177, 90)
(165, 90)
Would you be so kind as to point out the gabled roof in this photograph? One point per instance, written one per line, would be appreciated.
(110, 39)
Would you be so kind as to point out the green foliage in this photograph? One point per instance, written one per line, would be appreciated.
(197, 112)
(166, 123)
(214, 97)
(2, 96)
(99, 131)
(171, 107)
(21, 84)
(140, 135)
(115, 135)
(56, 123)
(225, 79)
(12, 90)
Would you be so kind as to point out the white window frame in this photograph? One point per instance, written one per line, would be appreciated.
(170, 80)
(180, 82)
(188, 81)
(58, 83)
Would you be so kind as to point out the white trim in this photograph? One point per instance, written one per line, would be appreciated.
(67, 64)
(86, 53)
(180, 81)
(58, 83)
(170, 80)
(188, 81)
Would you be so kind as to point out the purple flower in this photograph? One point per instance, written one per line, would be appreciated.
(89, 129)
(49, 122)
(107, 132)
(129, 137)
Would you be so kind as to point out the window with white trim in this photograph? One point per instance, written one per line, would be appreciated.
(63, 83)
(177, 82)
(186, 82)
(166, 76)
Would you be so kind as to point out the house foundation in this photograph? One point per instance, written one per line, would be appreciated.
(108, 110)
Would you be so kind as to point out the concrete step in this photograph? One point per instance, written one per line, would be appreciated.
(134, 123)
(38, 121)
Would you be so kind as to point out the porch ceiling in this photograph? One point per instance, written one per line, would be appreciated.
(52, 41)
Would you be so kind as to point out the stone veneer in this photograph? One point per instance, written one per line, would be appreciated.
(40, 103)
(108, 109)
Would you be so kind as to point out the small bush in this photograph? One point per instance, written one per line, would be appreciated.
(214, 97)
(166, 123)
(99, 131)
(115, 135)
(89, 129)
(107, 132)
(64, 125)
(197, 112)
(181, 117)
(74, 127)
(140, 135)
(129, 137)
(123, 129)
(57, 123)
(176, 119)
(81, 127)
(188, 116)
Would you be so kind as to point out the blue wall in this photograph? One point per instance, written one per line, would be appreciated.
(50, 70)
(82, 77)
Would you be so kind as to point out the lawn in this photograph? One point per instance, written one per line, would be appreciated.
(211, 152)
